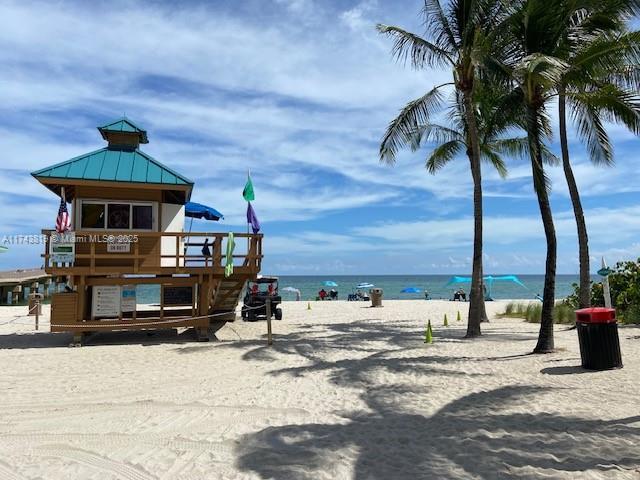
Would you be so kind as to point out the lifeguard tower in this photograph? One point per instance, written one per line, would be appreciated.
(128, 213)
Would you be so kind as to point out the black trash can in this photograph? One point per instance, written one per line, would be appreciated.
(598, 338)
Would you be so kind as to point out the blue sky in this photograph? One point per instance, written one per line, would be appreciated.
(300, 92)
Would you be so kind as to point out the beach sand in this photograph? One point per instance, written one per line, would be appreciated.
(345, 392)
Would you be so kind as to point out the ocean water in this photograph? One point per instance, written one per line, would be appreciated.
(393, 284)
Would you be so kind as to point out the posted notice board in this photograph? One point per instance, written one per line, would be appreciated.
(105, 301)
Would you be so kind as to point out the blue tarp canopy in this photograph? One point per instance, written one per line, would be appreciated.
(197, 210)
(488, 279)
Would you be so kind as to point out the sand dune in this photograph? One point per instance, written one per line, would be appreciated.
(345, 392)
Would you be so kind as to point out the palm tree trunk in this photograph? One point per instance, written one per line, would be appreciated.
(584, 293)
(484, 318)
(545, 337)
(476, 298)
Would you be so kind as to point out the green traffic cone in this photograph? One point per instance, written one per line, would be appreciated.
(428, 335)
(458, 319)
(446, 320)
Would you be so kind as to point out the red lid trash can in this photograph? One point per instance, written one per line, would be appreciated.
(596, 315)
(598, 338)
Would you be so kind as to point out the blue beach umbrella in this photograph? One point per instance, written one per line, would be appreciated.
(410, 290)
(197, 210)
(329, 283)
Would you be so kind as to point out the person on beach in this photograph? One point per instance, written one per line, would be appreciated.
(322, 294)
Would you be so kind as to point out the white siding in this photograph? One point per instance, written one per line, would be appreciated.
(172, 221)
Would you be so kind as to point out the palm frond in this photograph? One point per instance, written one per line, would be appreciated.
(442, 155)
(627, 77)
(543, 69)
(401, 130)
(605, 53)
(614, 104)
(491, 156)
(437, 24)
(409, 46)
(512, 147)
(433, 133)
(591, 130)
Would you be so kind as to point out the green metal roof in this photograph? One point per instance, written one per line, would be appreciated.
(115, 165)
(124, 125)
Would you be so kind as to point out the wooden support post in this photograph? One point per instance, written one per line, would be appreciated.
(161, 301)
(92, 260)
(82, 292)
(37, 307)
(269, 339)
(177, 251)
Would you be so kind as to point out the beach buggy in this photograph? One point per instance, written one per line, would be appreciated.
(255, 299)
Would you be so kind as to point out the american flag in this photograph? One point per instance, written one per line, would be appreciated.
(63, 221)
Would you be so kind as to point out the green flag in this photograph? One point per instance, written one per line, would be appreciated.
(247, 193)
(231, 244)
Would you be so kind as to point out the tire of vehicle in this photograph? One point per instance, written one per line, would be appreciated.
(278, 314)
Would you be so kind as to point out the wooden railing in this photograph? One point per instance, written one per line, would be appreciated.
(143, 253)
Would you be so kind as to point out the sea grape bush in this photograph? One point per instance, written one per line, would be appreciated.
(624, 284)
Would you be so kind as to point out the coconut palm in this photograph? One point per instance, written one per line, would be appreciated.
(495, 118)
(536, 28)
(597, 86)
(459, 37)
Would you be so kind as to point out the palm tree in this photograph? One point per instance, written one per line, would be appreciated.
(458, 37)
(595, 46)
(536, 27)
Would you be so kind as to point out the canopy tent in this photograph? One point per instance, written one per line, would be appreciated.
(487, 279)
(410, 290)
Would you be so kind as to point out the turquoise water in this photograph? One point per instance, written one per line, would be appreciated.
(393, 284)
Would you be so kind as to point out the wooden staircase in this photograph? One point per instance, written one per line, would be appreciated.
(225, 296)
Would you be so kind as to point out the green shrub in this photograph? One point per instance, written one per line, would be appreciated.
(631, 315)
(624, 284)
(564, 313)
(532, 312)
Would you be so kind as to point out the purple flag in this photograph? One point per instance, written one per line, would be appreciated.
(252, 219)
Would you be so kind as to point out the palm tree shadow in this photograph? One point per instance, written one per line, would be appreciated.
(476, 435)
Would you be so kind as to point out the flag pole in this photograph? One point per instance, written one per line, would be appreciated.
(248, 224)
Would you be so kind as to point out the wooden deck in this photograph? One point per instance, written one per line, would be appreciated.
(213, 293)
(145, 256)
